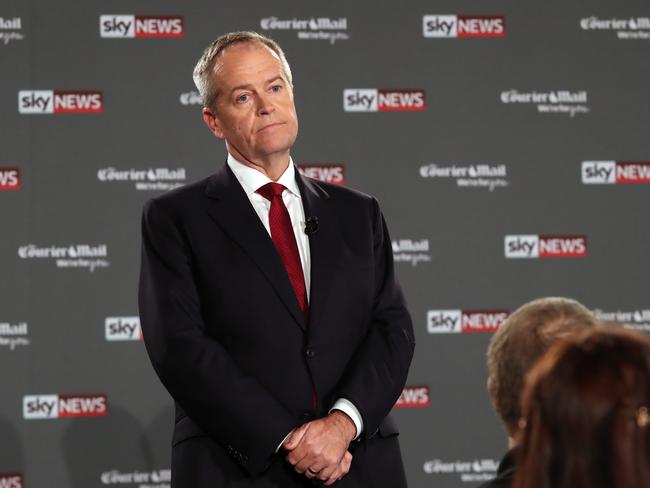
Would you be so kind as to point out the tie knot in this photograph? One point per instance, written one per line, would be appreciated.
(271, 190)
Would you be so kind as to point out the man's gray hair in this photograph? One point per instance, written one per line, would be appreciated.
(203, 76)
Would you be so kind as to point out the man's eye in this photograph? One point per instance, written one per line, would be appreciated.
(242, 98)
(276, 88)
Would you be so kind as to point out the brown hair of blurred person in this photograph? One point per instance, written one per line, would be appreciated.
(520, 341)
(586, 420)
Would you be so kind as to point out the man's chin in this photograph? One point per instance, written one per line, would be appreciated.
(276, 147)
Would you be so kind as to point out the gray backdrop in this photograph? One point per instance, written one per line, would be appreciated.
(525, 133)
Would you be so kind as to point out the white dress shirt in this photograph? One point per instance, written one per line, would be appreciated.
(252, 180)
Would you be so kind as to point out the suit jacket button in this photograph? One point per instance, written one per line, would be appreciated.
(310, 352)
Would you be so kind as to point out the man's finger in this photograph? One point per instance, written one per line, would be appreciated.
(295, 437)
(298, 455)
(306, 463)
(342, 469)
(328, 472)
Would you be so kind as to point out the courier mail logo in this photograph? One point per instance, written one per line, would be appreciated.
(59, 102)
(157, 478)
(122, 329)
(455, 26)
(414, 396)
(9, 180)
(60, 406)
(11, 480)
(329, 173)
(615, 172)
(534, 246)
(383, 100)
(139, 26)
(464, 321)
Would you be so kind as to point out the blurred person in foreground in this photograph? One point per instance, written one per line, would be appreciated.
(586, 420)
(514, 348)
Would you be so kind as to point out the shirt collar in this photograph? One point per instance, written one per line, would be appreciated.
(251, 179)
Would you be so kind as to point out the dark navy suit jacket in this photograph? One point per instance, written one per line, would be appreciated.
(227, 338)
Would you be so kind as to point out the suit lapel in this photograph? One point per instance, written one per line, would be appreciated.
(321, 243)
(232, 211)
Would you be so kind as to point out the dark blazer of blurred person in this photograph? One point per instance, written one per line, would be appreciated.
(586, 420)
(514, 348)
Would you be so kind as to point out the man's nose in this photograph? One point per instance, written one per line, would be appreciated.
(265, 105)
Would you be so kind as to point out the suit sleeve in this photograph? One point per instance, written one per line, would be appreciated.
(231, 407)
(377, 374)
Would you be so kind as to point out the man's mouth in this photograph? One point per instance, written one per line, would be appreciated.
(269, 126)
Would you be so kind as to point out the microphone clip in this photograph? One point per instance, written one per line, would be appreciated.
(311, 225)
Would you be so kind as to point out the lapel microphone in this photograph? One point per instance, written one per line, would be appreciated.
(311, 225)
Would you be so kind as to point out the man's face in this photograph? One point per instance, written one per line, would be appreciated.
(255, 113)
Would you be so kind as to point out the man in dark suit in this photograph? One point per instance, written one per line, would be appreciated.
(268, 302)
(520, 341)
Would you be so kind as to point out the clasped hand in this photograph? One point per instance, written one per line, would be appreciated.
(319, 448)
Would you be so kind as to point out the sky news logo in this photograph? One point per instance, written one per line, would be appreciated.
(11, 480)
(414, 396)
(59, 102)
(534, 246)
(61, 406)
(329, 173)
(9, 179)
(140, 26)
(383, 100)
(464, 321)
(122, 329)
(463, 26)
(615, 172)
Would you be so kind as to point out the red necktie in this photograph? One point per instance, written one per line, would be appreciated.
(285, 241)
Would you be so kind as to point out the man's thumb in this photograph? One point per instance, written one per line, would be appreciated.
(295, 436)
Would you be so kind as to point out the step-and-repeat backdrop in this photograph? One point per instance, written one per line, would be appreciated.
(508, 143)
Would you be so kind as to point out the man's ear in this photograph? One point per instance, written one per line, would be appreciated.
(213, 123)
